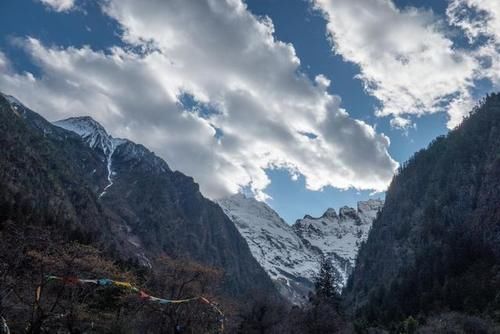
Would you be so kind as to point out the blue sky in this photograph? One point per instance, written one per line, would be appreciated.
(76, 50)
(306, 29)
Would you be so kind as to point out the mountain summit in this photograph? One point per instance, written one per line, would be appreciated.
(339, 237)
(96, 137)
(91, 132)
(291, 254)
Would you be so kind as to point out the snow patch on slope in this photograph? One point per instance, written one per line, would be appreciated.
(91, 132)
(96, 137)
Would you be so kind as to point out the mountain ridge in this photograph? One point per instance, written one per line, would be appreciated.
(148, 210)
(290, 253)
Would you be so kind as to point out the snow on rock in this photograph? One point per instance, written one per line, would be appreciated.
(96, 137)
(290, 254)
(339, 236)
(91, 131)
(275, 245)
(109, 161)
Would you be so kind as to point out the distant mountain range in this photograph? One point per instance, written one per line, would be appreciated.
(291, 254)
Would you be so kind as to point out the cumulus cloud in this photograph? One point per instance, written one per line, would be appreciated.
(405, 58)
(401, 123)
(59, 5)
(480, 21)
(254, 108)
(475, 17)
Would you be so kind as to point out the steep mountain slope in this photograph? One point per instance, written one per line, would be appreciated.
(435, 245)
(274, 244)
(291, 254)
(116, 194)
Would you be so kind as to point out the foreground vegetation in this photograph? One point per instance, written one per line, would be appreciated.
(67, 307)
(31, 303)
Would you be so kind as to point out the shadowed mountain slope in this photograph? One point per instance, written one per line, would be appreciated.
(116, 194)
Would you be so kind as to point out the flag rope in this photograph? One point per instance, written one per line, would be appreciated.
(73, 280)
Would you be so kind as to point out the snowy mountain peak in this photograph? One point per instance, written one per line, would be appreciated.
(96, 137)
(339, 238)
(290, 254)
(243, 202)
(347, 213)
(274, 244)
(90, 130)
(329, 213)
(370, 208)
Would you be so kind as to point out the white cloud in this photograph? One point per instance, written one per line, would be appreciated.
(480, 20)
(475, 17)
(401, 122)
(4, 62)
(406, 61)
(59, 5)
(270, 115)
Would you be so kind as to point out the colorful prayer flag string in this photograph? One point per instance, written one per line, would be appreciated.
(72, 280)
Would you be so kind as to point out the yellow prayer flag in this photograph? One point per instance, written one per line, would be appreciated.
(125, 285)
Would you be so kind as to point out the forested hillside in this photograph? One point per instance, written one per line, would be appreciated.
(152, 227)
(435, 246)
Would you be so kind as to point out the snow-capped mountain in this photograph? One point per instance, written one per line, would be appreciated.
(339, 236)
(91, 132)
(96, 137)
(275, 245)
(290, 254)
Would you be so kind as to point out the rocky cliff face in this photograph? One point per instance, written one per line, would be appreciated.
(291, 254)
(115, 193)
(339, 236)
